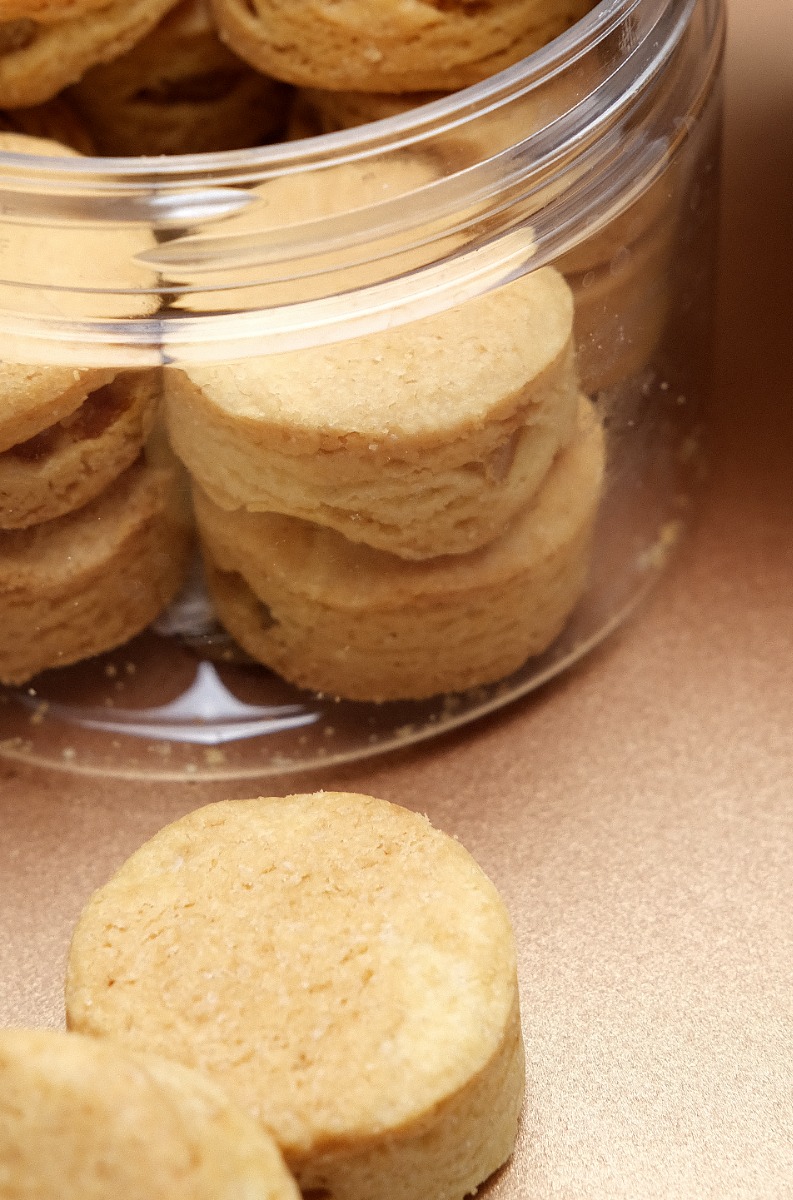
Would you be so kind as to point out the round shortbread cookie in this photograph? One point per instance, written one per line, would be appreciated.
(82, 1119)
(365, 45)
(83, 270)
(346, 971)
(49, 12)
(90, 580)
(421, 440)
(350, 621)
(71, 462)
(369, 195)
(179, 91)
(43, 49)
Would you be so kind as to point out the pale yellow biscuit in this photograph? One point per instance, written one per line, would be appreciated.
(43, 49)
(343, 969)
(61, 270)
(289, 214)
(71, 462)
(33, 398)
(17, 141)
(421, 440)
(49, 12)
(179, 91)
(55, 270)
(90, 580)
(354, 622)
(365, 45)
(85, 1120)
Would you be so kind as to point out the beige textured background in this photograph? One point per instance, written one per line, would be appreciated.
(637, 815)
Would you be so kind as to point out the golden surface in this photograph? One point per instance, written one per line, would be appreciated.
(637, 815)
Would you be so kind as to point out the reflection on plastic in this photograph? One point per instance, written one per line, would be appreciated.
(207, 714)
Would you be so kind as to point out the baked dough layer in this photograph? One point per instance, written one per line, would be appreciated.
(421, 440)
(91, 580)
(69, 464)
(350, 621)
(179, 91)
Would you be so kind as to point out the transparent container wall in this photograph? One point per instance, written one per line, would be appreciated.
(368, 438)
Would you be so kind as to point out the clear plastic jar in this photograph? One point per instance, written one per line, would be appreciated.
(436, 381)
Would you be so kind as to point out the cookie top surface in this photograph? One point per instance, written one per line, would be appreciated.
(71, 269)
(33, 397)
(81, 1119)
(341, 965)
(472, 363)
(288, 213)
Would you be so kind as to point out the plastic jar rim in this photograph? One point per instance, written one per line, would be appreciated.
(382, 136)
(576, 151)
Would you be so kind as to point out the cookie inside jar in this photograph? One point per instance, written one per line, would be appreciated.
(357, 307)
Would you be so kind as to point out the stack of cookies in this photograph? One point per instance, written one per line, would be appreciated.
(395, 516)
(185, 76)
(149, 77)
(47, 44)
(93, 541)
(405, 513)
(619, 275)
